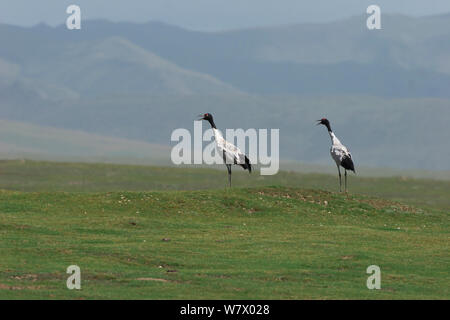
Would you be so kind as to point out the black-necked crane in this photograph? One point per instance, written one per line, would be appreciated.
(229, 152)
(339, 153)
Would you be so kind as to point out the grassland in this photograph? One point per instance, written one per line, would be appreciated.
(29, 176)
(165, 233)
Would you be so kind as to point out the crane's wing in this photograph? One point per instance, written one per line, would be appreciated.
(342, 156)
(233, 155)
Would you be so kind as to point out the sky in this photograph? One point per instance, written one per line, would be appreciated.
(210, 15)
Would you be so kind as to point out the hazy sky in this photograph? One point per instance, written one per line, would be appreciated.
(209, 14)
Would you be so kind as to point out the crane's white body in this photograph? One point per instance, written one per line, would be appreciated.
(230, 153)
(338, 151)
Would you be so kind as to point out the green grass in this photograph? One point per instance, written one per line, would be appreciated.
(250, 242)
(84, 177)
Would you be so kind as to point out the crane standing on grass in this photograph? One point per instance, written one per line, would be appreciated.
(339, 153)
(229, 152)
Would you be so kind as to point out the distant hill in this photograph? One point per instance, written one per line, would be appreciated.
(409, 57)
(399, 133)
(115, 65)
(22, 140)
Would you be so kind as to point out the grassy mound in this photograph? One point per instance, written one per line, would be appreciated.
(243, 243)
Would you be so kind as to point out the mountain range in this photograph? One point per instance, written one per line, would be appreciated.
(386, 92)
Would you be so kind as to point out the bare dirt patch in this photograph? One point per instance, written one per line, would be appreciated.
(152, 279)
(8, 287)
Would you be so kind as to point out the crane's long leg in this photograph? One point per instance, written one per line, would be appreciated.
(345, 180)
(229, 173)
(228, 166)
(340, 179)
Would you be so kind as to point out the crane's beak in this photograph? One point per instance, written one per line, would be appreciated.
(319, 122)
(200, 117)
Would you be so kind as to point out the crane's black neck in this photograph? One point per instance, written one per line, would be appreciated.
(328, 127)
(211, 122)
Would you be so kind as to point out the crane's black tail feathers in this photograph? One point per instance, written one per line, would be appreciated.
(247, 165)
(347, 163)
